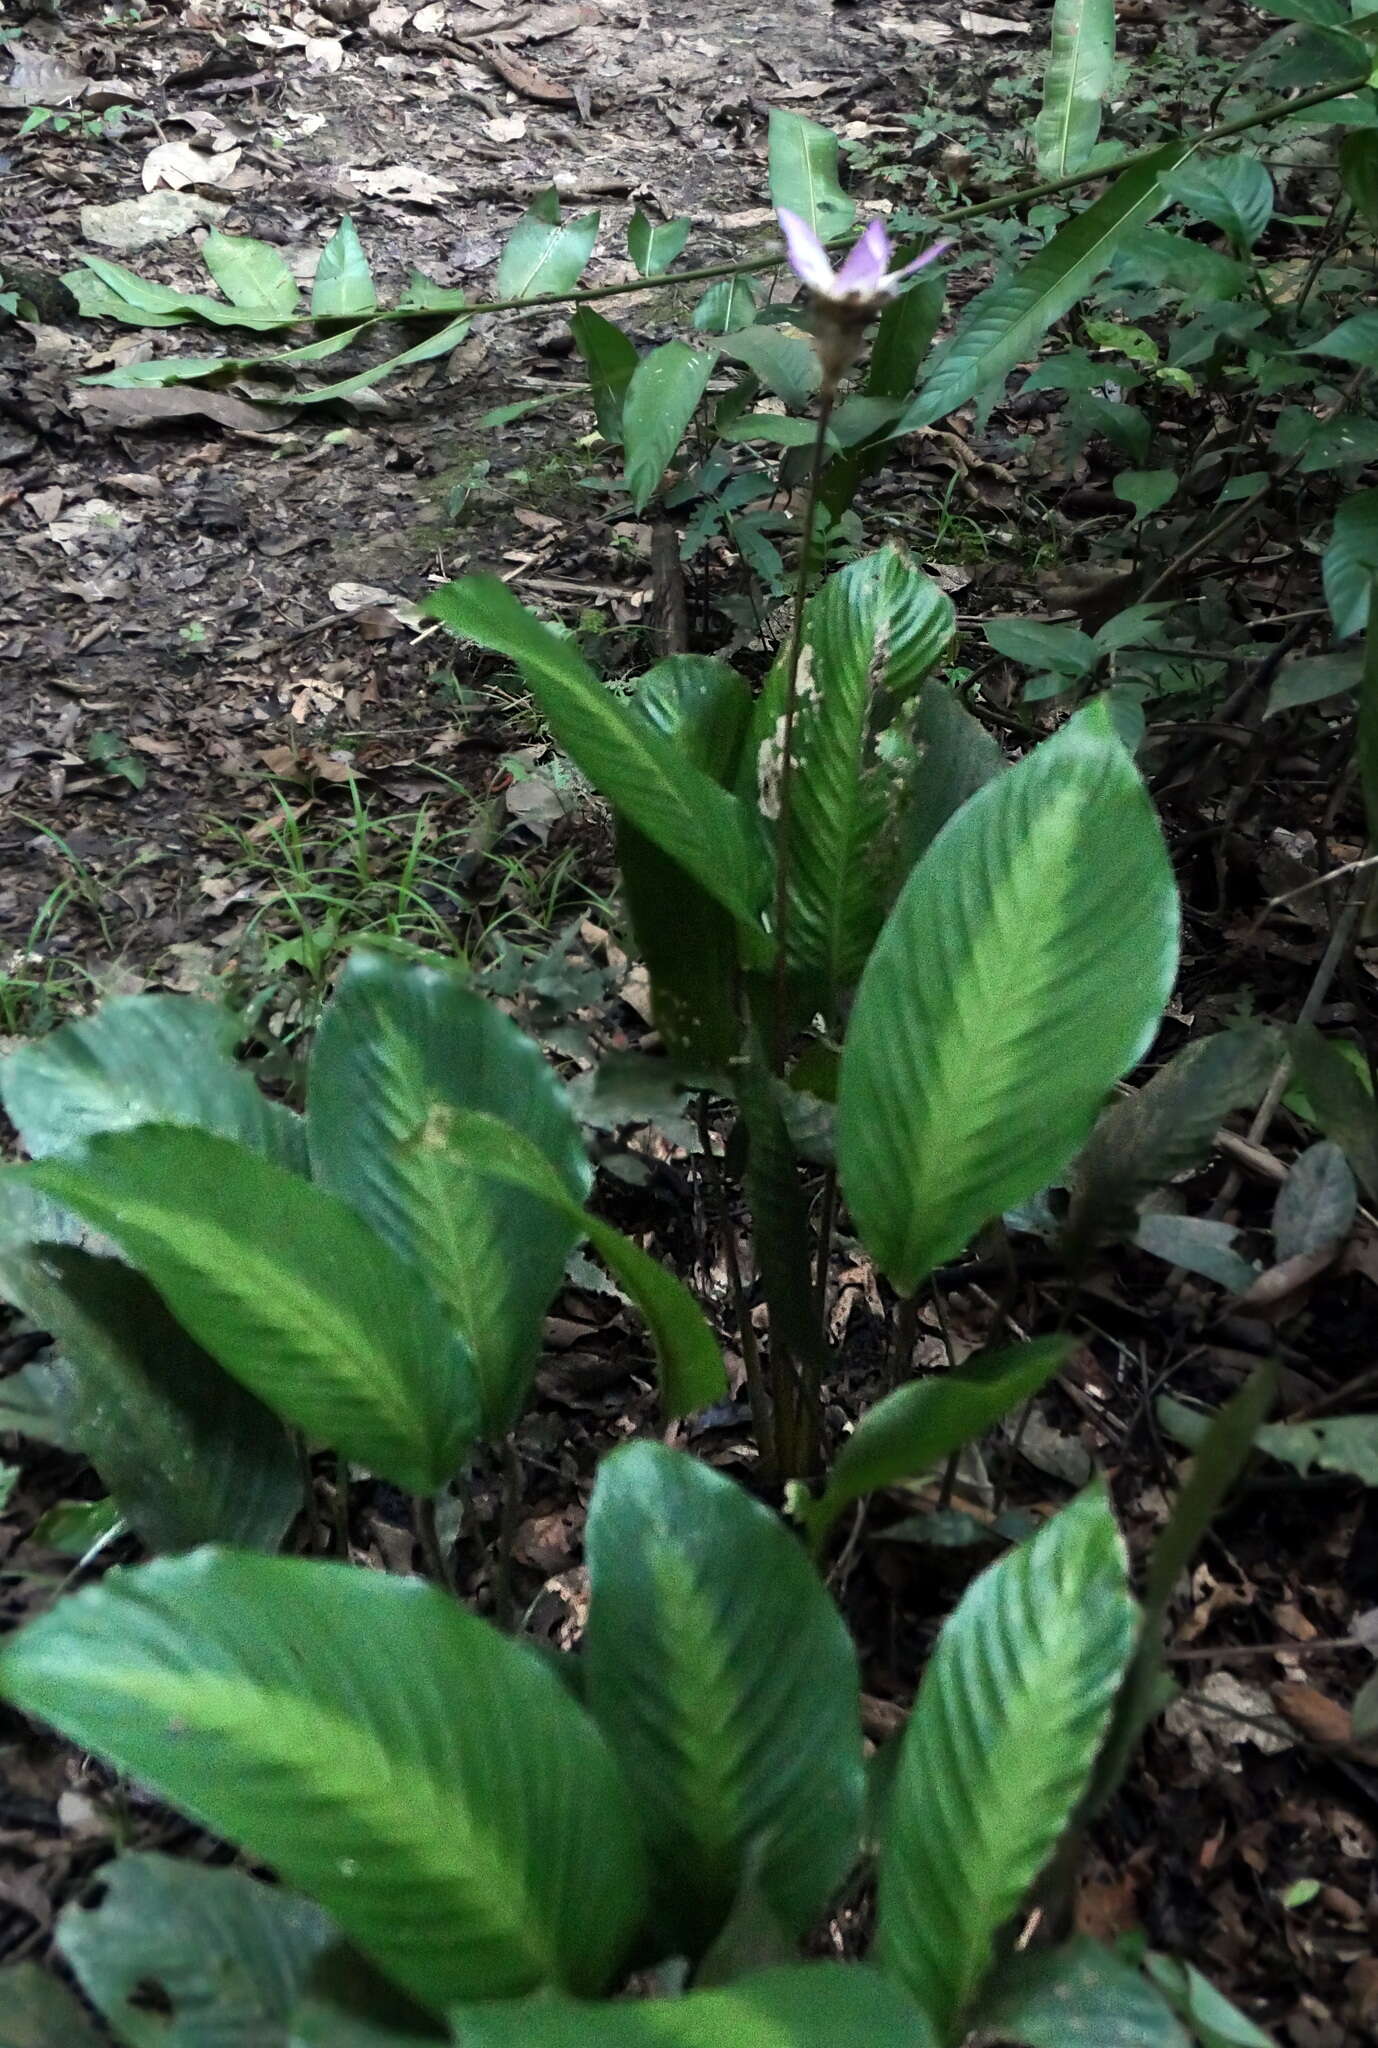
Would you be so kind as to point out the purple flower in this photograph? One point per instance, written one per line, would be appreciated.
(864, 278)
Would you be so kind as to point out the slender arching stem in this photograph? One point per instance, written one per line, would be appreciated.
(780, 1022)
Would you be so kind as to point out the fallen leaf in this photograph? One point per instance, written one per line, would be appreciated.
(524, 77)
(919, 31)
(349, 597)
(178, 164)
(323, 53)
(149, 408)
(158, 217)
(505, 127)
(403, 181)
(39, 81)
(993, 25)
(429, 21)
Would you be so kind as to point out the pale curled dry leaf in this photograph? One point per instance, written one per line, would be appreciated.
(178, 165)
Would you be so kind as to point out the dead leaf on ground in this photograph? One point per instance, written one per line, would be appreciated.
(403, 181)
(993, 24)
(39, 81)
(524, 77)
(159, 216)
(178, 164)
(111, 407)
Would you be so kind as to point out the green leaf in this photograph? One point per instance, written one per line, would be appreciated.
(429, 1782)
(250, 273)
(227, 1954)
(1064, 649)
(317, 1316)
(954, 756)
(662, 397)
(36, 2011)
(187, 1455)
(1312, 680)
(1080, 64)
(1013, 1708)
(1351, 562)
(679, 807)
(803, 173)
(143, 1059)
(1147, 490)
(79, 1528)
(610, 360)
(686, 938)
(1167, 1127)
(398, 1043)
(1316, 1203)
(153, 303)
(1199, 1243)
(1355, 340)
(545, 256)
(870, 636)
(726, 1684)
(1027, 961)
(1214, 2021)
(918, 1426)
(779, 429)
(195, 369)
(654, 245)
(343, 287)
(1234, 193)
(729, 303)
(812, 2005)
(1341, 1443)
(1077, 1996)
(904, 334)
(98, 300)
(1359, 176)
(425, 351)
(1367, 737)
(1003, 327)
(1220, 1456)
(478, 1146)
(1342, 1106)
(785, 363)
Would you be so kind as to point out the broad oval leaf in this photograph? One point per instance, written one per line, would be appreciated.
(1080, 64)
(287, 1288)
(343, 287)
(803, 173)
(686, 938)
(1350, 563)
(728, 304)
(429, 1782)
(229, 1954)
(1079, 1996)
(692, 1376)
(954, 756)
(399, 1042)
(870, 636)
(662, 397)
(1021, 973)
(188, 1455)
(1359, 176)
(1004, 326)
(1234, 193)
(1340, 1099)
(726, 1683)
(139, 1060)
(785, 363)
(654, 245)
(545, 256)
(610, 358)
(642, 774)
(37, 2010)
(811, 2005)
(917, 1426)
(1167, 1127)
(1013, 1708)
(250, 273)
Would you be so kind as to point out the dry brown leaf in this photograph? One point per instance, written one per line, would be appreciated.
(110, 407)
(524, 77)
(178, 164)
(993, 24)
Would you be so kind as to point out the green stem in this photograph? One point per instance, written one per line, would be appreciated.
(756, 1393)
(953, 216)
(504, 1602)
(428, 1537)
(780, 1044)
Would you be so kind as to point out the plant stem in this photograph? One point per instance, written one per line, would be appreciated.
(780, 1041)
(504, 1605)
(826, 1219)
(428, 1536)
(902, 1348)
(952, 216)
(756, 1394)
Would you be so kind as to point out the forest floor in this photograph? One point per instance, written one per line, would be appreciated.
(229, 747)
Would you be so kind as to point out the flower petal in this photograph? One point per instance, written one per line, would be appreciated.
(808, 259)
(930, 255)
(865, 267)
